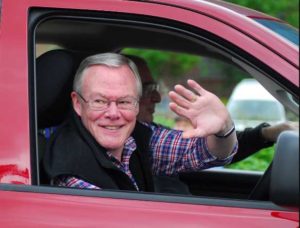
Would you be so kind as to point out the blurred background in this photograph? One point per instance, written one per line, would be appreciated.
(169, 68)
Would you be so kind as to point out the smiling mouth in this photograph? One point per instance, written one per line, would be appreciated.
(112, 127)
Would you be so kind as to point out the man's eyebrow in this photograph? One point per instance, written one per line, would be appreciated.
(103, 96)
(98, 94)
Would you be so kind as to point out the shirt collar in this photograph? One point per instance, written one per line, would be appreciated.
(129, 147)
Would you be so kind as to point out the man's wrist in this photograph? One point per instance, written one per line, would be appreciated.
(226, 133)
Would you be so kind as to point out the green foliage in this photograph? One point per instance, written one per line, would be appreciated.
(257, 162)
(175, 65)
(215, 68)
(285, 10)
(165, 63)
(167, 122)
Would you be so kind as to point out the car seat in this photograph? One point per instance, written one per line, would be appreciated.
(55, 71)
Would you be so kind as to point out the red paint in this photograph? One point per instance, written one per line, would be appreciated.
(8, 171)
(51, 210)
(286, 215)
(48, 210)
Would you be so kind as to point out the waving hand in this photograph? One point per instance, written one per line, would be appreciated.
(205, 110)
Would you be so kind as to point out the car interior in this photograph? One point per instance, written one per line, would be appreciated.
(77, 34)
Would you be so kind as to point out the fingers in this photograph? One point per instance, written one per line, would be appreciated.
(179, 100)
(203, 109)
(184, 99)
(196, 87)
(181, 111)
(186, 93)
(183, 96)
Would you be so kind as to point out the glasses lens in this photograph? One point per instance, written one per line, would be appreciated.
(127, 103)
(99, 104)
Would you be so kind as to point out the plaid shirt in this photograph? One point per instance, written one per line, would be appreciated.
(170, 154)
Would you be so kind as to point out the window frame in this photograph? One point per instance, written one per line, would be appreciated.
(43, 14)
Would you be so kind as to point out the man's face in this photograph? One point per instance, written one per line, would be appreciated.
(112, 126)
(150, 97)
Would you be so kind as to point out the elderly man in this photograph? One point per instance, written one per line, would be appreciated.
(102, 146)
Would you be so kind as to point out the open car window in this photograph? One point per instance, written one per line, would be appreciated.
(248, 102)
(212, 61)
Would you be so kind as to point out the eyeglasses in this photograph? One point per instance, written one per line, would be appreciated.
(149, 88)
(102, 103)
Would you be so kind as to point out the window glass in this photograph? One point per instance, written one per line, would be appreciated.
(221, 78)
(248, 109)
(284, 30)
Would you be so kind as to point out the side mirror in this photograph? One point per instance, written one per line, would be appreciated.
(284, 188)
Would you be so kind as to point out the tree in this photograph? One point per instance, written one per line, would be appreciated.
(175, 65)
(285, 10)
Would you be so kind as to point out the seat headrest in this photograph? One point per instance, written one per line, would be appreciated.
(55, 71)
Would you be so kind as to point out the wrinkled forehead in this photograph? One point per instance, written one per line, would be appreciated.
(102, 76)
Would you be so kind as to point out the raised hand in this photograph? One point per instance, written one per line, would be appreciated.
(205, 110)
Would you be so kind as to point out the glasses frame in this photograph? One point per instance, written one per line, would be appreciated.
(88, 102)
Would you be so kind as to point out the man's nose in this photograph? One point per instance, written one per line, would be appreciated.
(112, 110)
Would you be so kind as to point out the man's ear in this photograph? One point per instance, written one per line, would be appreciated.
(137, 110)
(76, 103)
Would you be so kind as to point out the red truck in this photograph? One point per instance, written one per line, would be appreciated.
(34, 96)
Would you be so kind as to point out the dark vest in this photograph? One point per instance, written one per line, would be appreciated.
(73, 151)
